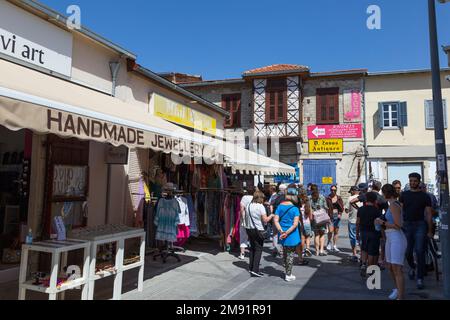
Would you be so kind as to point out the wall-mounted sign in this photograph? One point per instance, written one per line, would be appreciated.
(70, 181)
(28, 38)
(326, 146)
(181, 114)
(342, 131)
(352, 105)
(327, 180)
(116, 155)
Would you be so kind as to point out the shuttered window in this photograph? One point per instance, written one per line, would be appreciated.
(429, 114)
(392, 115)
(276, 101)
(232, 104)
(327, 105)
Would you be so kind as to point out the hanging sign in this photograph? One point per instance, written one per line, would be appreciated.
(326, 146)
(352, 105)
(342, 131)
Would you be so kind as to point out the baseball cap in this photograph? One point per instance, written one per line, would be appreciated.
(363, 186)
(354, 188)
(282, 187)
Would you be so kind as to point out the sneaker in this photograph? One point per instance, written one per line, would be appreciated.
(420, 284)
(256, 274)
(322, 254)
(336, 249)
(241, 257)
(363, 271)
(394, 295)
(329, 247)
(290, 278)
(412, 274)
(354, 258)
(308, 253)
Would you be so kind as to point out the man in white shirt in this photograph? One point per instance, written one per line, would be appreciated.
(352, 215)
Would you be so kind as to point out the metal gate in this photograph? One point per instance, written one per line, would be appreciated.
(320, 172)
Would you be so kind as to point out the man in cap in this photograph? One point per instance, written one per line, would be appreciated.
(352, 216)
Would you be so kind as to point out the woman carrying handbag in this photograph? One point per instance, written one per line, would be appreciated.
(321, 219)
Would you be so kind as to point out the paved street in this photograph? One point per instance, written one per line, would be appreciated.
(221, 276)
(208, 274)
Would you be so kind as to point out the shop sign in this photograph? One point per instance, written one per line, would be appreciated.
(342, 131)
(181, 114)
(327, 180)
(352, 105)
(69, 181)
(29, 39)
(326, 146)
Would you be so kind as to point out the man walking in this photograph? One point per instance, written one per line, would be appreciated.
(352, 214)
(418, 225)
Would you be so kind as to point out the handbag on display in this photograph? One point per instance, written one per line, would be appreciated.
(321, 217)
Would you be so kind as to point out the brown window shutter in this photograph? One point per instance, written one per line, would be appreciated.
(327, 106)
(232, 104)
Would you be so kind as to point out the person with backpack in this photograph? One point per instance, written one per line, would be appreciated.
(318, 207)
(336, 208)
(367, 233)
(396, 242)
(287, 217)
(254, 214)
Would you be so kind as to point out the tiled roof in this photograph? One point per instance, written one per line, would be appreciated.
(277, 68)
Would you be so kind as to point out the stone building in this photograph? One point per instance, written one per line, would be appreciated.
(273, 108)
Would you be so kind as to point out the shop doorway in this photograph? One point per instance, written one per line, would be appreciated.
(66, 183)
(320, 172)
(15, 166)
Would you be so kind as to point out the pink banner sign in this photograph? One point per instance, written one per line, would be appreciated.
(342, 131)
(352, 106)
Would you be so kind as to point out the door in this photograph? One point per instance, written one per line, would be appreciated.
(401, 171)
(320, 172)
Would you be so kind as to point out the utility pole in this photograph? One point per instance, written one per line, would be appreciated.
(441, 153)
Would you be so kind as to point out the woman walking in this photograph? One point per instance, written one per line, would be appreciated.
(318, 202)
(286, 222)
(254, 219)
(306, 230)
(396, 242)
(336, 208)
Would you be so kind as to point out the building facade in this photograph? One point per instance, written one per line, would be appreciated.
(283, 106)
(400, 123)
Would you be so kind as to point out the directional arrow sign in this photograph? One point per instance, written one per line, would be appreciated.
(342, 131)
(319, 132)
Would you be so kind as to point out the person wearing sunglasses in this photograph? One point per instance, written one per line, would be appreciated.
(336, 208)
(398, 187)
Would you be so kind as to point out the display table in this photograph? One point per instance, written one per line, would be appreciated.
(101, 235)
(59, 251)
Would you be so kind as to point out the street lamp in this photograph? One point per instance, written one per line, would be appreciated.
(441, 153)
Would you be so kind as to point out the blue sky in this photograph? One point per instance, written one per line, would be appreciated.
(222, 38)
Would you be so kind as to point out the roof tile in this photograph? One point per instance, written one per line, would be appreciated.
(277, 68)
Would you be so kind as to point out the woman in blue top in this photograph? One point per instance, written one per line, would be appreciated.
(286, 222)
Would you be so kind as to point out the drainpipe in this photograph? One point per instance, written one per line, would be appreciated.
(114, 67)
(366, 153)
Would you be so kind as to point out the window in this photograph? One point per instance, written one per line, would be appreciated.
(429, 114)
(392, 115)
(276, 101)
(327, 106)
(232, 104)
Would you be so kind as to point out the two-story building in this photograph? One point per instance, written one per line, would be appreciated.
(312, 121)
(400, 124)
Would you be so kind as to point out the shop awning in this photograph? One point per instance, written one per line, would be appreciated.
(44, 104)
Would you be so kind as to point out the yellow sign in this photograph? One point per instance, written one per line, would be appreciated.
(327, 180)
(326, 146)
(178, 113)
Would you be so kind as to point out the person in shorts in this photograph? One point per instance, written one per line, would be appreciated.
(366, 232)
(317, 202)
(352, 213)
(336, 208)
